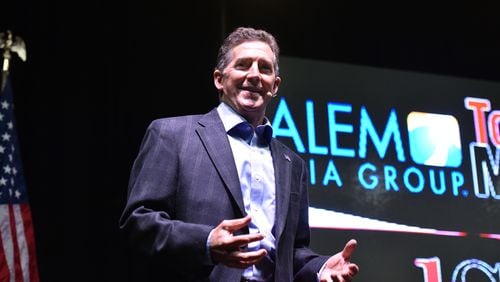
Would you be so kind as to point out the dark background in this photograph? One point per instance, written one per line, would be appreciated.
(98, 72)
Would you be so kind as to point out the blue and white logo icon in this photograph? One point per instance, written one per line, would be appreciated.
(434, 139)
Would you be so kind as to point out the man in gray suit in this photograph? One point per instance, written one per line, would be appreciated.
(215, 197)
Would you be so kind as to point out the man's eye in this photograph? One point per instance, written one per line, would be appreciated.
(240, 66)
(266, 70)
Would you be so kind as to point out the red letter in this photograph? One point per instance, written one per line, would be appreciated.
(478, 107)
(494, 128)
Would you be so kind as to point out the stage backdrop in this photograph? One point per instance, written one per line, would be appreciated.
(407, 163)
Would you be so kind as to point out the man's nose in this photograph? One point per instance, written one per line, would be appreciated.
(254, 71)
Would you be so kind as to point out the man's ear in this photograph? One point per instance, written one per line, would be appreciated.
(276, 85)
(218, 76)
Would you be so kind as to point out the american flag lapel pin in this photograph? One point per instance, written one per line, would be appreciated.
(287, 157)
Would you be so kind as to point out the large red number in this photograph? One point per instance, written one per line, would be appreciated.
(431, 267)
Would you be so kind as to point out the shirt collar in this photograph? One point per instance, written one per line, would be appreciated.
(230, 118)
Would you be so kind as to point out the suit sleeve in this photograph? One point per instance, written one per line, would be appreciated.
(306, 262)
(148, 219)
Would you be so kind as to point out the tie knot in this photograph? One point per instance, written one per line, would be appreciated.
(244, 130)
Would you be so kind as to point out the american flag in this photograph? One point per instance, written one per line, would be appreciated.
(17, 242)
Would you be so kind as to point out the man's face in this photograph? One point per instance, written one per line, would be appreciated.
(248, 78)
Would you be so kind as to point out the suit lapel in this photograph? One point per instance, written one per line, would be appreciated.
(214, 137)
(282, 168)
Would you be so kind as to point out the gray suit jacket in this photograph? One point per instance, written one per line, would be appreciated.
(184, 182)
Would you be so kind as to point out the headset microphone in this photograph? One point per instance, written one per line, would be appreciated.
(269, 93)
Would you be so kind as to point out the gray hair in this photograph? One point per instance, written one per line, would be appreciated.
(241, 35)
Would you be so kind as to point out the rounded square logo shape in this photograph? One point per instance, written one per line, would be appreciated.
(434, 139)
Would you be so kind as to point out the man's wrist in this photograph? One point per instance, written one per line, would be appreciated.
(208, 254)
(321, 270)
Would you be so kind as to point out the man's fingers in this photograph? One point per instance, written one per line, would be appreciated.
(241, 259)
(253, 256)
(232, 225)
(223, 236)
(349, 249)
(353, 269)
(244, 239)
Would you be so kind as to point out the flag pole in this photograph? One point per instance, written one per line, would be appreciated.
(18, 257)
(9, 44)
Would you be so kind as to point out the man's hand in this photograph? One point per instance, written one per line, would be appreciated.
(229, 249)
(338, 267)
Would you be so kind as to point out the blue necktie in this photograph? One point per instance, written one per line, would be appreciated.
(245, 131)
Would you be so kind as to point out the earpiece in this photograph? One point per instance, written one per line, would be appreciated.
(269, 93)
